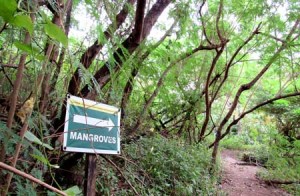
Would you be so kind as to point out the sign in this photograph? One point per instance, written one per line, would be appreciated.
(91, 127)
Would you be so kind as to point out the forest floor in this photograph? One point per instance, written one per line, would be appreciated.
(241, 180)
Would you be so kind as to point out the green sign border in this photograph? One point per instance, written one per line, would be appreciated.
(81, 102)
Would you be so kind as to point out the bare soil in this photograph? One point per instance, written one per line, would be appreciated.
(241, 180)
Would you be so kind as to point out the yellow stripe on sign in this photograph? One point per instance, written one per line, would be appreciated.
(94, 107)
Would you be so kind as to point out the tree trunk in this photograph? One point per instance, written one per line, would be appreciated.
(14, 94)
(130, 44)
(248, 86)
(53, 58)
(89, 56)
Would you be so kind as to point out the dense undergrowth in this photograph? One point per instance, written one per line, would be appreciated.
(149, 166)
(160, 166)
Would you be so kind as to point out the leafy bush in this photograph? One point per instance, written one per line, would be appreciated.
(281, 158)
(259, 155)
(237, 142)
(160, 166)
(279, 154)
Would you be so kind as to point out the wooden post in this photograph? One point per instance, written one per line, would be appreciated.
(90, 175)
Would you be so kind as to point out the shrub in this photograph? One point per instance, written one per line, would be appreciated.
(160, 166)
(281, 158)
(236, 142)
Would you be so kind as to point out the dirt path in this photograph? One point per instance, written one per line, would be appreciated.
(240, 180)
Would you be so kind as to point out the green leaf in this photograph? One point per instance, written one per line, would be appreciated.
(296, 111)
(7, 9)
(23, 21)
(73, 191)
(56, 33)
(88, 2)
(45, 17)
(282, 102)
(101, 36)
(44, 160)
(297, 144)
(29, 49)
(26, 48)
(31, 137)
(41, 159)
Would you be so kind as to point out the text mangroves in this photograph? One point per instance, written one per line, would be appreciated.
(91, 127)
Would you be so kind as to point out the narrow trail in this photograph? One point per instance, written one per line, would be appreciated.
(241, 180)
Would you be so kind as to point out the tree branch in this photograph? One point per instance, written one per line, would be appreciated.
(218, 21)
(120, 171)
(90, 54)
(247, 86)
(139, 21)
(103, 74)
(3, 27)
(230, 63)
(9, 65)
(206, 88)
(129, 84)
(272, 182)
(162, 77)
(234, 122)
(203, 23)
(31, 178)
(272, 36)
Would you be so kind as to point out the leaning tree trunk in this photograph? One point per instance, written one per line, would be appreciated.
(53, 58)
(248, 86)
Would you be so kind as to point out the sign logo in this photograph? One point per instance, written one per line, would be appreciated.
(91, 127)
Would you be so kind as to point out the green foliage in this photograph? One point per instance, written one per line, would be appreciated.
(29, 49)
(56, 33)
(7, 9)
(236, 142)
(73, 191)
(283, 163)
(284, 158)
(23, 21)
(24, 188)
(258, 155)
(280, 157)
(31, 137)
(277, 153)
(160, 166)
(287, 115)
(157, 166)
(282, 103)
(7, 12)
(9, 138)
(33, 161)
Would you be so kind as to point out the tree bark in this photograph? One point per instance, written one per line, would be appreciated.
(130, 44)
(90, 54)
(15, 93)
(69, 7)
(226, 72)
(38, 84)
(208, 102)
(46, 82)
